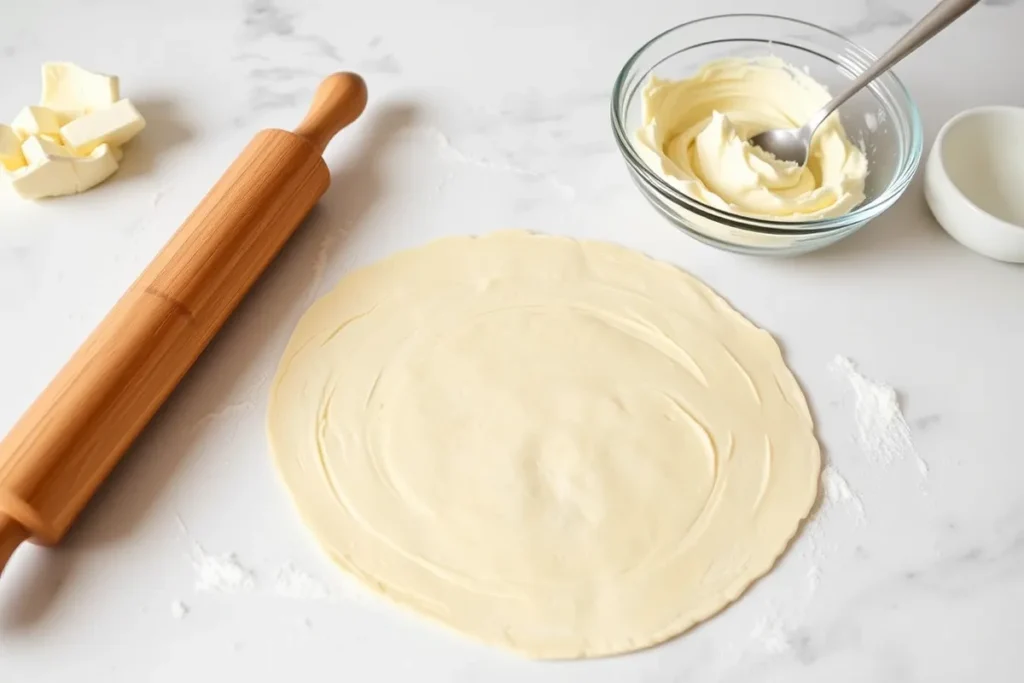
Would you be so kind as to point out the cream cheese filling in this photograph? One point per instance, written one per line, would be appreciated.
(695, 136)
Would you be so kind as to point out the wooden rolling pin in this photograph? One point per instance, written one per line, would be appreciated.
(72, 436)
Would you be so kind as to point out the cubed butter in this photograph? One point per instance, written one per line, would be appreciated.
(51, 178)
(54, 171)
(72, 140)
(72, 91)
(11, 157)
(95, 168)
(38, 149)
(36, 121)
(115, 125)
(67, 116)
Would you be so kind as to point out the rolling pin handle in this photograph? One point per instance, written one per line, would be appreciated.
(338, 101)
(12, 534)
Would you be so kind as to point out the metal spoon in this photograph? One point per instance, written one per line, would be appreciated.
(794, 144)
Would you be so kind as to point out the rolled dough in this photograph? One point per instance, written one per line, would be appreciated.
(562, 447)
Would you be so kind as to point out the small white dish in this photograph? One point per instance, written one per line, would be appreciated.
(974, 181)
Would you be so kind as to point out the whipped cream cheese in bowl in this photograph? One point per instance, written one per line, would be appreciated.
(685, 105)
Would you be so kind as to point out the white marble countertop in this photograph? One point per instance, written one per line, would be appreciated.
(484, 116)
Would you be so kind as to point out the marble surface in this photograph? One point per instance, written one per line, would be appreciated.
(484, 116)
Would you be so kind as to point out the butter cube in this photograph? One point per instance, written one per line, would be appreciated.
(115, 125)
(38, 149)
(36, 121)
(118, 154)
(72, 91)
(51, 178)
(11, 157)
(66, 116)
(55, 172)
(95, 168)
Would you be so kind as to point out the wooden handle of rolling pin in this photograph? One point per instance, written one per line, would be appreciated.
(75, 432)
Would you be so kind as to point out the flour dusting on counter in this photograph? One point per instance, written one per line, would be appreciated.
(220, 573)
(772, 634)
(838, 491)
(882, 431)
(226, 574)
(292, 582)
(813, 578)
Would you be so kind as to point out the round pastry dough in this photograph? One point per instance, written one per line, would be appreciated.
(561, 447)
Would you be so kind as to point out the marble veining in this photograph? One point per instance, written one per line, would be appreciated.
(877, 14)
(265, 18)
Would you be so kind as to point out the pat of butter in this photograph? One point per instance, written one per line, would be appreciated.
(115, 125)
(38, 149)
(36, 121)
(72, 91)
(11, 157)
(95, 168)
(56, 172)
(51, 178)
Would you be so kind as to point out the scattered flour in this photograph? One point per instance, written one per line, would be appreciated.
(884, 436)
(240, 408)
(226, 574)
(813, 578)
(220, 573)
(771, 633)
(882, 431)
(818, 548)
(838, 492)
(292, 582)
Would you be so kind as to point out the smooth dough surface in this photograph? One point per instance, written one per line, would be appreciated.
(561, 447)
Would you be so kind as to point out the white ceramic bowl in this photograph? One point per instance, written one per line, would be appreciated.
(974, 181)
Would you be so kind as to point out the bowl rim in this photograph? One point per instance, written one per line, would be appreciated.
(939, 163)
(861, 213)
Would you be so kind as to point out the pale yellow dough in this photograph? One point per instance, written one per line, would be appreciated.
(561, 447)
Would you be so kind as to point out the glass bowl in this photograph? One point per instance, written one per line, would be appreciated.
(881, 119)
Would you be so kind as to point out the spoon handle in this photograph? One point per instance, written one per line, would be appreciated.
(941, 16)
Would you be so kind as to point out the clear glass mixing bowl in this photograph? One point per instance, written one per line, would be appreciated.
(881, 119)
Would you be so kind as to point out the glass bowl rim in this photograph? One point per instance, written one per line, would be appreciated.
(907, 169)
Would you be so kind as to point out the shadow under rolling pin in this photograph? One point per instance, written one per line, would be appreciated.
(69, 440)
